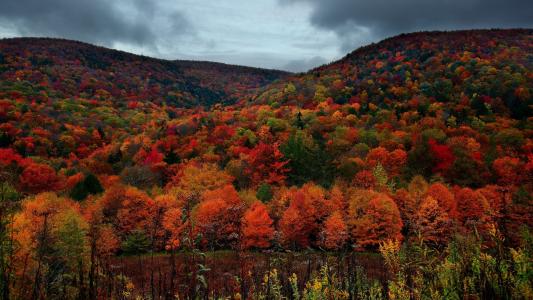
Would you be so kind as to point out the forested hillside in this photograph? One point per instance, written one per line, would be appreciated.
(44, 68)
(423, 140)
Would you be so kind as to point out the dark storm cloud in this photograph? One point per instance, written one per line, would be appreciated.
(97, 21)
(293, 35)
(375, 19)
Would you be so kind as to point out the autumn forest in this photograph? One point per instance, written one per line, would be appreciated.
(402, 171)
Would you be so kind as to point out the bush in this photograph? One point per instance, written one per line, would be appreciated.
(264, 193)
(136, 243)
(89, 185)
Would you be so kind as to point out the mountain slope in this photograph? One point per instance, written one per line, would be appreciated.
(64, 68)
(478, 68)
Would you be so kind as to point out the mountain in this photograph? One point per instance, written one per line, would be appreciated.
(65, 68)
(476, 68)
(420, 147)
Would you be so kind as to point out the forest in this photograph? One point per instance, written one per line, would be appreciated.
(402, 171)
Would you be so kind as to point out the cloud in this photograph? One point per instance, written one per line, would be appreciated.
(255, 33)
(293, 35)
(357, 21)
(96, 21)
(301, 65)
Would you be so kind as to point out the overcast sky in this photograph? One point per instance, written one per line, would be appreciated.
(292, 35)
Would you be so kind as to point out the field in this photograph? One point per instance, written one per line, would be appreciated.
(223, 273)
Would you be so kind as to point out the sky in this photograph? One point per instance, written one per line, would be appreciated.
(293, 35)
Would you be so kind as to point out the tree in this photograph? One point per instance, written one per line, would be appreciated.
(308, 160)
(467, 170)
(473, 208)
(432, 222)
(103, 243)
(264, 192)
(393, 161)
(38, 178)
(135, 212)
(265, 163)
(127, 208)
(169, 211)
(381, 178)
(154, 158)
(365, 179)
(295, 229)
(409, 200)
(444, 198)
(373, 218)
(335, 232)
(140, 176)
(396, 161)
(257, 229)
(93, 184)
(509, 170)
(136, 242)
(377, 156)
(300, 222)
(71, 247)
(495, 198)
(218, 217)
(418, 160)
(442, 155)
(50, 232)
(8, 207)
(337, 199)
(8, 157)
(193, 178)
(90, 185)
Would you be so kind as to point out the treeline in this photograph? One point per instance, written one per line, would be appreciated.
(62, 248)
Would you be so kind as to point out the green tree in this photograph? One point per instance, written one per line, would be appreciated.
(136, 242)
(71, 250)
(89, 185)
(308, 160)
(264, 192)
(8, 204)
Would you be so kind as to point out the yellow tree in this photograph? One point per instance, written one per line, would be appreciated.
(50, 231)
(432, 222)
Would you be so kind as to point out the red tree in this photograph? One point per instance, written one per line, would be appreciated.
(128, 209)
(335, 232)
(265, 163)
(443, 155)
(300, 222)
(218, 217)
(257, 230)
(444, 197)
(509, 170)
(472, 206)
(38, 178)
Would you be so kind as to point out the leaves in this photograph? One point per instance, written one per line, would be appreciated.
(257, 227)
(373, 218)
(335, 232)
(38, 178)
(218, 217)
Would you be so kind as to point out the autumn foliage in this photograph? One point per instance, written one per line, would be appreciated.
(417, 142)
(257, 227)
(39, 178)
(218, 217)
